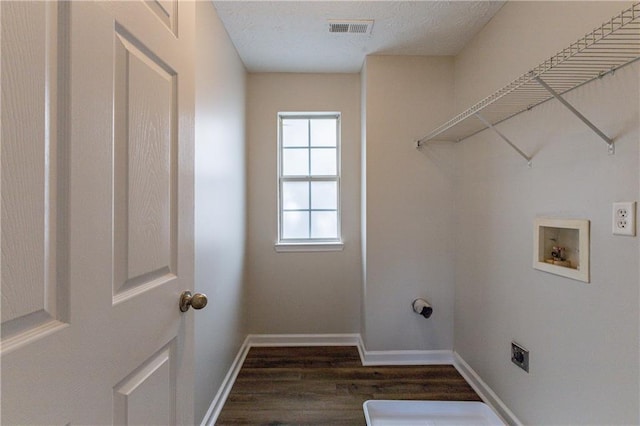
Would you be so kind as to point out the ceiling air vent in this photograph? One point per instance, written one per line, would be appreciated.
(350, 26)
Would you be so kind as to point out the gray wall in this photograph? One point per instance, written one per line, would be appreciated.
(220, 206)
(409, 247)
(583, 337)
(301, 292)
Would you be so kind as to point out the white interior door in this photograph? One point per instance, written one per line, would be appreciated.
(97, 212)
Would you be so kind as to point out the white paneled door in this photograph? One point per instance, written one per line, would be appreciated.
(97, 212)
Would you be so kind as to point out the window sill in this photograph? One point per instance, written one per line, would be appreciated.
(308, 247)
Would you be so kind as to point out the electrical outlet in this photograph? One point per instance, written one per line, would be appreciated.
(624, 218)
(520, 356)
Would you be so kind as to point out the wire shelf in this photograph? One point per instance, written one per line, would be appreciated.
(613, 45)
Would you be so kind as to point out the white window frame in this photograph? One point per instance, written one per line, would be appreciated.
(309, 244)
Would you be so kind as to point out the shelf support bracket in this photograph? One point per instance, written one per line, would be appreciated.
(577, 113)
(511, 144)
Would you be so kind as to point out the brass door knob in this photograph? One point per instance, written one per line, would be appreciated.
(195, 301)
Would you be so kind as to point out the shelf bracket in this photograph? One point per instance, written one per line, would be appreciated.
(511, 144)
(577, 113)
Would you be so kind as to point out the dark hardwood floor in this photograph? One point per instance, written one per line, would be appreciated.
(328, 385)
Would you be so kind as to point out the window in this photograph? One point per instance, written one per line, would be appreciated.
(308, 178)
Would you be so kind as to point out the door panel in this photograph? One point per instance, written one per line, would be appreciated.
(144, 167)
(166, 11)
(97, 212)
(33, 292)
(147, 395)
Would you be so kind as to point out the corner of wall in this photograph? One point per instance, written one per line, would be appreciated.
(363, 193)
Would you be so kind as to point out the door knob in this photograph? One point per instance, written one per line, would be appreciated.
(195, 301)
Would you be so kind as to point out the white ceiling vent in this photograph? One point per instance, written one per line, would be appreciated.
(350, 26)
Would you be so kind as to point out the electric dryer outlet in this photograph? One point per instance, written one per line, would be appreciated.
(520, 356)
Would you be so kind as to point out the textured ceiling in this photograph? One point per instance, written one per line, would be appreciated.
(292, 36)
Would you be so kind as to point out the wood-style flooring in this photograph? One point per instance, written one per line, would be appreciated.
(328, 385)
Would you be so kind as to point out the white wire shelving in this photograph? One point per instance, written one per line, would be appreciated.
(613, 45)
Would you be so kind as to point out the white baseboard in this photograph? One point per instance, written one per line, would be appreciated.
(284, 340)
(406, 357)
(225, 388)
(368, 358)
(484, 391)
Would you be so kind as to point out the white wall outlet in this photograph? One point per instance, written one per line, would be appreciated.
(624, 218)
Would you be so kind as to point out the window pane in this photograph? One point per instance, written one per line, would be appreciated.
(295, 162)
(323, 162)
(309, 175)
(323, 132)
(295, 195)
(324, 195)
(295, 225)
(295, 132)
(324, 224)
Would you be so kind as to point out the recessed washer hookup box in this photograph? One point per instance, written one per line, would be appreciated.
(440, 413)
